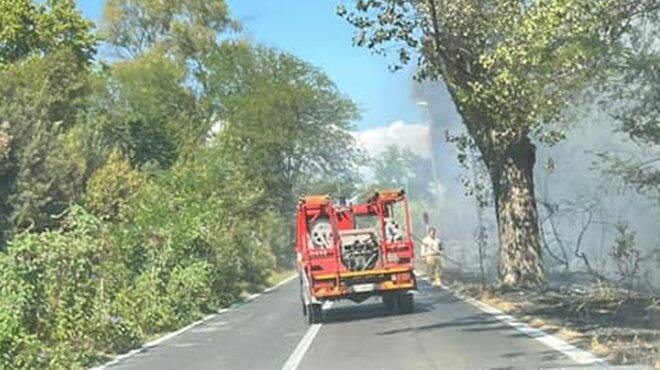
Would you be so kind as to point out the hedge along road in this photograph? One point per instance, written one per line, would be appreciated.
(444, 332)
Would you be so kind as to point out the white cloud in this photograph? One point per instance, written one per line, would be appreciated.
(411, 136)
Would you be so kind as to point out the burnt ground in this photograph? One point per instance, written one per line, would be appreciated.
(620, 325)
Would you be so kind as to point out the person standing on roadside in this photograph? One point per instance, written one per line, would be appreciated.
(431, 248)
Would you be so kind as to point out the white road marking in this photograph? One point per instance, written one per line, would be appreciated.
(281, 283)
(296, 357)
(153, 343)
(173, 334)
(207, 329)
(580, 356)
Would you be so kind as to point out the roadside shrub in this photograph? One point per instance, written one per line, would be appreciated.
(204, 212)
(19, 349)
(116, 334)
(146, 303)
(111, 187)
(178, 245)
(52, 279)
(190, 291)
(625, 254)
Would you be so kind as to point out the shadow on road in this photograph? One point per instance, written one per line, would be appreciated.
(362, 311)
(428, 299)
(476, 320)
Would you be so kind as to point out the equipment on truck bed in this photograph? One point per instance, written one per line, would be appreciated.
(355, 252)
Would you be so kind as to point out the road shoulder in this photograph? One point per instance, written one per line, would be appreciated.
(613, 326)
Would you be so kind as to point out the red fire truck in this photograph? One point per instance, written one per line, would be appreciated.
(355, 252)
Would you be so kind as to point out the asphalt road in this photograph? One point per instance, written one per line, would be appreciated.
(444, 332)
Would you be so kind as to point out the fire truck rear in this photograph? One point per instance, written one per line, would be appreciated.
(355, 252)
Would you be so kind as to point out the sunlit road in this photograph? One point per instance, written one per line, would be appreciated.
(443, 333)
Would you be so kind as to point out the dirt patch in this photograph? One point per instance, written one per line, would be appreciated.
(616, 324)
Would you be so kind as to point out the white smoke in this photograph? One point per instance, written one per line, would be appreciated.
(412, 136)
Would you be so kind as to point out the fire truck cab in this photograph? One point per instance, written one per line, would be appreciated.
(355, 252)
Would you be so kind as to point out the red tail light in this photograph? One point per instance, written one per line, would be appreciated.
(401, 277)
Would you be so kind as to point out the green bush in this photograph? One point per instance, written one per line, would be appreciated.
(49, 286)
(111, 188)
(18, 348)
(190, 291)
(158, 256)
(146, 303)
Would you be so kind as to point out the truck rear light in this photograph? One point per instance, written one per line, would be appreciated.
(401, 277)
(324, 285)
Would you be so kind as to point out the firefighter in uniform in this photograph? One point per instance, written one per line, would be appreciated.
(431, 248)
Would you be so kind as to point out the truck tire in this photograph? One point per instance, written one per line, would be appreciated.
(390, 303)
(302, 297)
(405, 303)
(314, 314)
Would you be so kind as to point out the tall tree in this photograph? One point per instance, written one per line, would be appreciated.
(188, 29)
(510, 66)
(284, 119)
(45, 49)
(28, 27)
(402, 168)
(631, 96)
(145, 107)
(41, 99)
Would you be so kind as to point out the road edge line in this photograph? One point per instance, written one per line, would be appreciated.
(298, 353)
(173, 334)
(581, 356)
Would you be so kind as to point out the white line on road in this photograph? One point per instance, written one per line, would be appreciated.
(281, 283)
(580, 356)
(153, 343)
(296, 357)
(173, 334)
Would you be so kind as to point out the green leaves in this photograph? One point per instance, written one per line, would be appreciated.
(31, 28)
(186, 154)
(180, 244)
(517, 64)
(188, 28)
(307, 120)
(630, 96)
(512, 68)
(148, 111)
(111, 188)
(51, 280)
(41, 100)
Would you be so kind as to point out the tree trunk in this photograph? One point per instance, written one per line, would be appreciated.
(517, 217)
(510, 158)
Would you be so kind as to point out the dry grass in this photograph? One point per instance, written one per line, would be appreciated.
(619, 325)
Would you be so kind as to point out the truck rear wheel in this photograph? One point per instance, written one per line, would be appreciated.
(390, 303)
(405, 303)
(314, 314)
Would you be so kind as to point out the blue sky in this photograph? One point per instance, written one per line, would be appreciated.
(311, 30)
